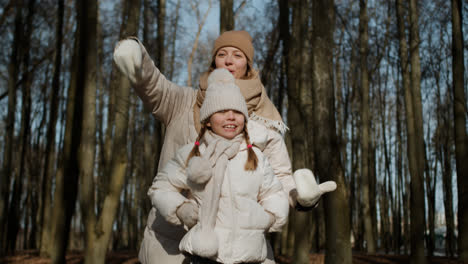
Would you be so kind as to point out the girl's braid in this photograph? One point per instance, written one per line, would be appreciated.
(252, 160)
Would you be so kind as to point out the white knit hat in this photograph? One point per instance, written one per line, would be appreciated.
(222, 94)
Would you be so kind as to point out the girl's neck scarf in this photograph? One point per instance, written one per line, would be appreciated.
(219, 151)
(259, 105)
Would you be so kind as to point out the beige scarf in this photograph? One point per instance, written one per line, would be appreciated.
(259, 105)
(218, 152)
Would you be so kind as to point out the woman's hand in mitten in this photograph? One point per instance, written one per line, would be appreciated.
(188, 214)
(308, 191)
(128, 58)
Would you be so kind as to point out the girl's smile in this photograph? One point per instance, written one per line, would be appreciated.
(228, 123)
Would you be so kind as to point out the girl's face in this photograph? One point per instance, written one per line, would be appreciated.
(233, 60)
(228, 123)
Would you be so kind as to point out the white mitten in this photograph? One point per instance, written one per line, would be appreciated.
(308, 191)
(199, 170)
(128, 58)
(188, 214)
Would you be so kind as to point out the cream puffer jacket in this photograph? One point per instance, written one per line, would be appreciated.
(246, 197)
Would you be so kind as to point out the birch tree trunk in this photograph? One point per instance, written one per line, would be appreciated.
(461, 141)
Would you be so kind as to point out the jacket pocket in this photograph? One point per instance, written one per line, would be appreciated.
(253, 216)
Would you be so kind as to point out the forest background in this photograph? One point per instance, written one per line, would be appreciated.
(374, 94)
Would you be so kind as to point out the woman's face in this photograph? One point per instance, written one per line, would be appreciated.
(233, 60)
(227, 123)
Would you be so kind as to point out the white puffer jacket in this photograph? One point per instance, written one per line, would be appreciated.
(246, 196)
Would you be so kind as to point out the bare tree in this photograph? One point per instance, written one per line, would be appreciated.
(299, 98)
(226, 15)
(24, 136)
(365, 125)
(461, 141)
(201, 22)
(327, 160)
(161, 16)
(49, 171)
(65, 194)
(7, 170)
(98, 229)
(412, 92)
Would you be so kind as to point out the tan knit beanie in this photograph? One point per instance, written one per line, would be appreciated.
(222, 94)
(238, 39)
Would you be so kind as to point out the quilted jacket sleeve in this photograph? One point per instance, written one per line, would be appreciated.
(165, 192)
(272, 197)
(161, 96)
(278, 157)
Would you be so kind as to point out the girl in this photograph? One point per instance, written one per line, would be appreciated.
(230, 179)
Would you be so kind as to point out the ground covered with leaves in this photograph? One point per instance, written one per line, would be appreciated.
(130, 257)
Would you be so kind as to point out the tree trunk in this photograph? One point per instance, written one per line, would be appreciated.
(7, 168)
(417, 179)
(430, 182)
(226, 15)
(327, 158)
(446, 161)
(296, 114)
(15, 206)
(175, 23)
(365, 125)
(65, 194)
(461, 141)
(201, 23)
(161, 16)
(99, 229)
(413, 146)
(49, 171)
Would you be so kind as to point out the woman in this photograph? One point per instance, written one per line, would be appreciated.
(179, 109)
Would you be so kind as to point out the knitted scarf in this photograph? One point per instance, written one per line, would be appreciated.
(259, 105)
(218, 152)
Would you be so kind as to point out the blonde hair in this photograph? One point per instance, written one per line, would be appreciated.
(252, 160)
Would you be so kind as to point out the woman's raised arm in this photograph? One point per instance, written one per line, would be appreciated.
(157, 93)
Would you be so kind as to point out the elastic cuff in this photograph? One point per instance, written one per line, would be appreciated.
(301, 208)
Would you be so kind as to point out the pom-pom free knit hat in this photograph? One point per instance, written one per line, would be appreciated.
(238, 39)
(222, 94)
